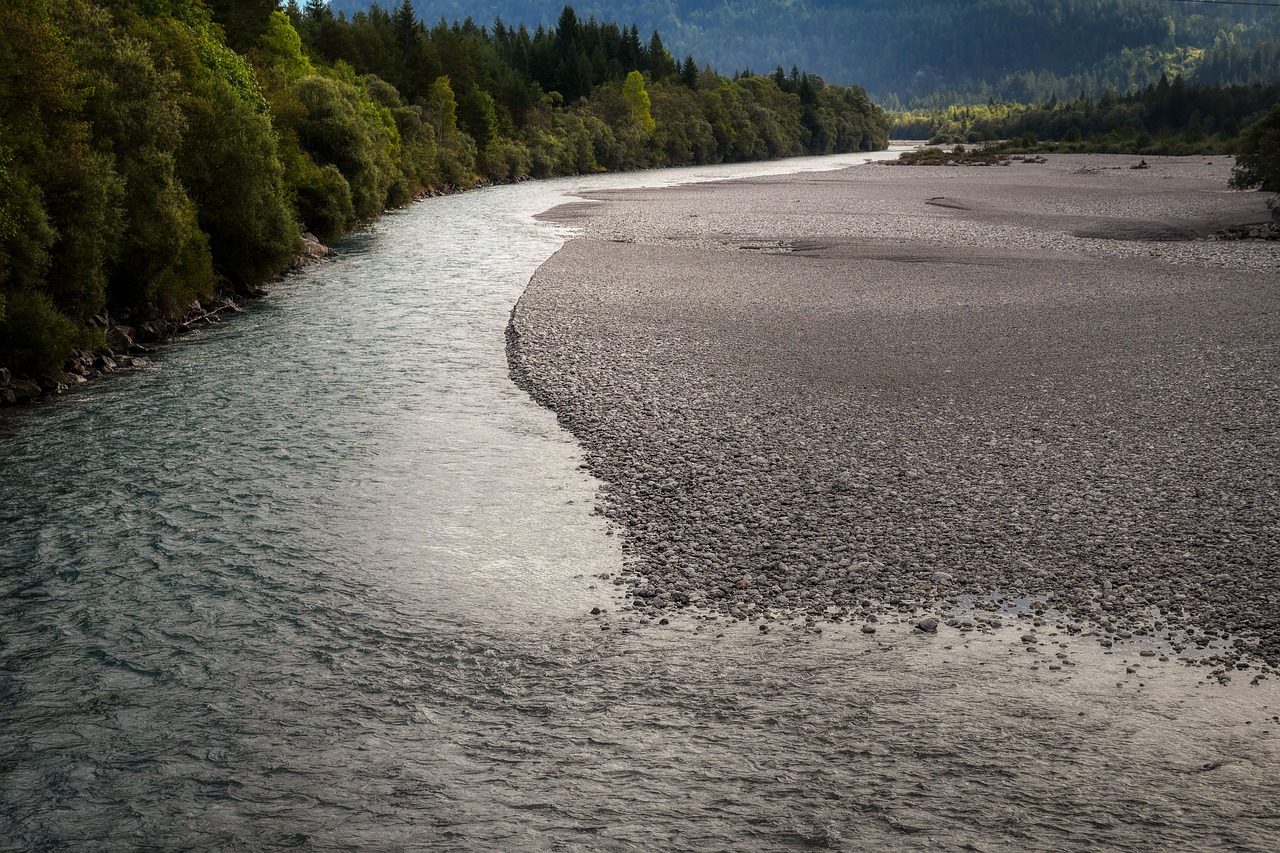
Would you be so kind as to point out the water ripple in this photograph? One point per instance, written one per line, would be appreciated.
(320, 580)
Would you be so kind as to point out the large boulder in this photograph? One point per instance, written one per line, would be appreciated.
(120, 338)
(24, 390)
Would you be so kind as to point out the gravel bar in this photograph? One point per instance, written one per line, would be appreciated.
(910, 390)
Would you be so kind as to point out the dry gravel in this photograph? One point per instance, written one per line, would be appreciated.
(887, 389)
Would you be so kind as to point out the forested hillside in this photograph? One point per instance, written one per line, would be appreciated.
(1171, 117)
(943, 51)
(154, 152)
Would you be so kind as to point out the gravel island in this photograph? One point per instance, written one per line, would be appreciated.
(952, 395)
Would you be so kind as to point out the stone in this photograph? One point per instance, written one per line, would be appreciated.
(120, 338)
(928, 625)
(24, 390)
(152, 330)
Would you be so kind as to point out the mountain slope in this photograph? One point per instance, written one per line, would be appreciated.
(1000, 48)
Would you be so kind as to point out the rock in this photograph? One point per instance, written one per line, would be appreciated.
(868, 629)
(24, 390)
(313, 249)
(928, 625)
(4, 377)
(152, 330)
(120, 338)
(760, 499)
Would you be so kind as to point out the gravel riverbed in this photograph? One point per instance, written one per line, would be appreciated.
(975, 395)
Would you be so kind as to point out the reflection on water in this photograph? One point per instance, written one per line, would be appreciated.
(322, 579)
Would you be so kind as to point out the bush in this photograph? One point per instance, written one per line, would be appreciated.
(1258, 155)
(323, 199)
(506, 160)
(35, 336)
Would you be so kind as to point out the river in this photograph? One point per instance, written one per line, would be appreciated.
(321, 578)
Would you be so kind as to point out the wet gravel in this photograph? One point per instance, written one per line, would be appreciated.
(830, 397)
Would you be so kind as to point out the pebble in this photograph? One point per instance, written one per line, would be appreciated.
(887, 431)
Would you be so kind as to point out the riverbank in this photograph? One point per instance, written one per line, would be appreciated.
(956, 397)
(128, 341)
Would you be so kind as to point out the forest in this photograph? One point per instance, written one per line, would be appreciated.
(1170, 117)
(935, 53)
(156, 152)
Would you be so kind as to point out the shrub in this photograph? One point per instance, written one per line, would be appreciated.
(506, 160)
(1258, 155)
(35, 336)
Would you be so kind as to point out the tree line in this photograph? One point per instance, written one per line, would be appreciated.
(1170, 117)
(153, 152)
(933, 53)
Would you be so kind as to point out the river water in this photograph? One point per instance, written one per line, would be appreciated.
(322, 578)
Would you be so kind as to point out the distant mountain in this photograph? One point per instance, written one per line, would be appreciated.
(973, 48)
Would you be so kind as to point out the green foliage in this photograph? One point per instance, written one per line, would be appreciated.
(1258, 155)
(480, 117)
(1173, 118)
(962, 52)
(161, 258)
(684, 135)
(323, 200)
(35, 336)
(243, 21)
(281, 47)
(506, 160)
(633, 92)
(152, 151)
(26, 234)
(229, 164)
(343, 128)
(442, 106)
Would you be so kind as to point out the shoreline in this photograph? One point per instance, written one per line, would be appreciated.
(127, 349)
(827, 399)
(129, 344)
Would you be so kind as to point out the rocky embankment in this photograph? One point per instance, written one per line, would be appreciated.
(1255, 231)
(824, 399)
(129, 340)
